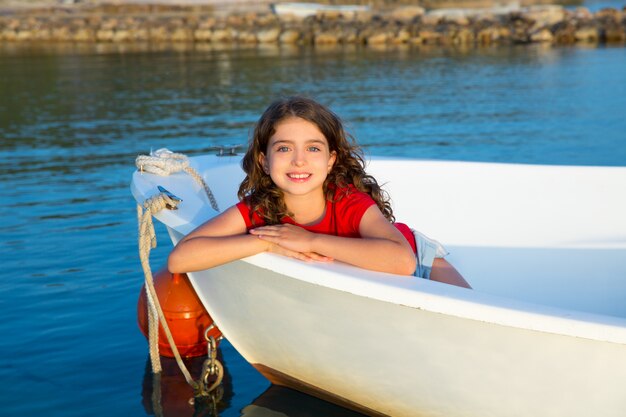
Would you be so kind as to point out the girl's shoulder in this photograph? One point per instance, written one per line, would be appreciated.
(349, 201)
(349, 192)
(252, 218)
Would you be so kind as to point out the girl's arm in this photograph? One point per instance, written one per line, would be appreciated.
(381, 247)
(221, 240)
(216, 242)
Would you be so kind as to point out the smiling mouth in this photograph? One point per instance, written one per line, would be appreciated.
(298, 176)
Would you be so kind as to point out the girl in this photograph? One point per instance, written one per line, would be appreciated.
(306, 195)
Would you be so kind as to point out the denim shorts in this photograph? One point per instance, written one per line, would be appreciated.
(427, 250)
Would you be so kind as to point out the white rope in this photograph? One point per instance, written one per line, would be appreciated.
(164, 162)
(153, 331)
(147, 241)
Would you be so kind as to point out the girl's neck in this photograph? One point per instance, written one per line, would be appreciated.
(307, 210)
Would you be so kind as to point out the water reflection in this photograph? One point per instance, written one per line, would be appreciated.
(232, 52)
(279, 401)
(170, 395)
(64, 95)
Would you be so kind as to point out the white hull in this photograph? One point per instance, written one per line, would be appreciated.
(543, 332)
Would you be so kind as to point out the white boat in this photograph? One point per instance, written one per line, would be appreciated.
(543, 332)
(302, 10)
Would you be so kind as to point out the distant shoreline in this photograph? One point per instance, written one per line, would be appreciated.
(207, 21)
(243, 5)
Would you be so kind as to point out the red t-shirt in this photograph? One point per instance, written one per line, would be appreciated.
(342, 217)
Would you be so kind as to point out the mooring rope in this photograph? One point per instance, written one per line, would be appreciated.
(147, 241)
(165, 162)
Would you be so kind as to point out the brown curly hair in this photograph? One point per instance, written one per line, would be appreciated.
(266, 199)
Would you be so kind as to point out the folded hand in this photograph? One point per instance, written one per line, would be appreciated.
(289, 240)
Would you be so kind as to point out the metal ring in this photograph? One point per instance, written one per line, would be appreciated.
(206, 332)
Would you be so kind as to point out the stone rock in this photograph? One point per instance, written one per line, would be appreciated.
(582, 13)
(157, 33)
(609, 15)
(266, 19)
(326, 38)
(327, 15)
(141, 34)
(84, 35)
(363, 17)
(545, 14)
(464, 37)
(235, 20)
(447, 38)
(249, 18)
(504, 34)
(94, 21)
(8, 34)
(128, 22)
(203, 35)
(59, 33)
(23, 35)
(407, 13)
(402, 36)
(614, 34)
(565, 34)
(458, 16)
(407, 24)
(208, 23)
(289, 36)
(520, 35)
(493, 34)
(109, 24)
(378, 38)
(364, 33)
(350, 35)
(41, 34)
(431, 20)
(429, 36)
(121, 35)
(542, 35)
(13, 24)
(104, 35)
(222, 35)
(246, 36)
(307, 37)
(461, 21)
(268, 35)
(587, 34)
(181, 34)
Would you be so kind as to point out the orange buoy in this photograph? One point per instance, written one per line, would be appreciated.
(186, 316)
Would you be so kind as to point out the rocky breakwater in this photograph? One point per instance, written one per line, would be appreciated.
(403, 25)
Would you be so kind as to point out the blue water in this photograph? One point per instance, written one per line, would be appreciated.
(73, 118)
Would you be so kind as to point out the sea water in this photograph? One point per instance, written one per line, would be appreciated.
(73, 118)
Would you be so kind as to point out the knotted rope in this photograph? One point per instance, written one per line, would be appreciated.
(147, 241)
(165, 162)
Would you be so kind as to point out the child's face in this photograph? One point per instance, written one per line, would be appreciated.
(298, 157)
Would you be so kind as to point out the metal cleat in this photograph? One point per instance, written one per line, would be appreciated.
(170, 196)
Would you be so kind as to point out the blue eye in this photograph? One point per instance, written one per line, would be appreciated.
(282, 149)
(314, 149)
